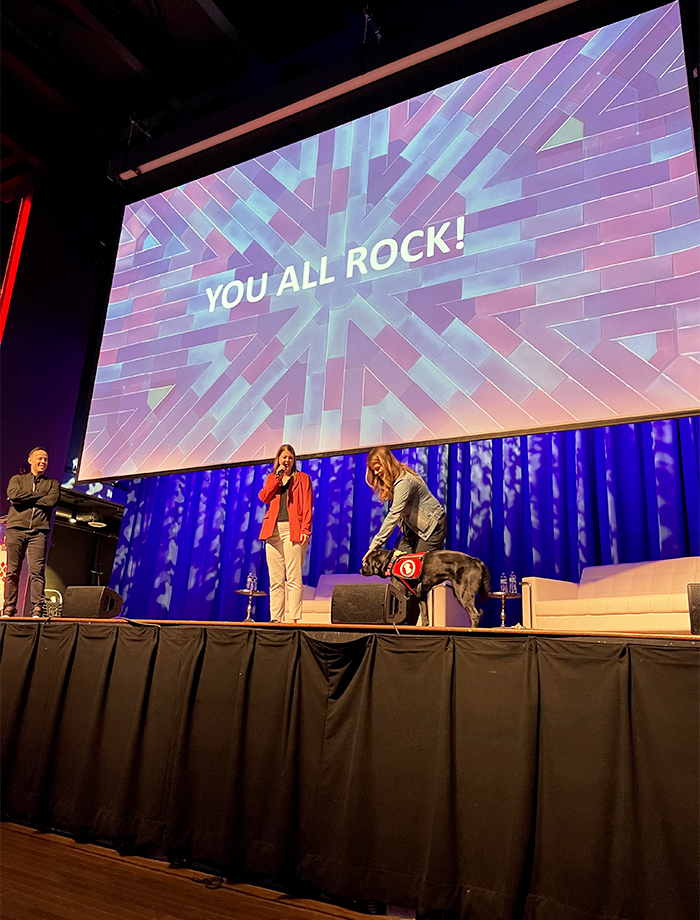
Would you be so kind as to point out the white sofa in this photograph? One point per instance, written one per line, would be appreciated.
(443, 607)
(633, 597)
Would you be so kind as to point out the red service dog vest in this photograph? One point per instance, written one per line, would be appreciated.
(408, 569)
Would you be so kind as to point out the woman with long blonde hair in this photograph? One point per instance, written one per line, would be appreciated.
(413, 507)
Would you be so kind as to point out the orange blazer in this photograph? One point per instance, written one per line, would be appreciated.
(300, 502)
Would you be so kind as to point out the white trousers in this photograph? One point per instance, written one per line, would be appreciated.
(284, 558)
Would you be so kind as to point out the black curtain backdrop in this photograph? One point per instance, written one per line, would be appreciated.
(491, 776)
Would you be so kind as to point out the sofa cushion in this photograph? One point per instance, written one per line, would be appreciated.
(615, 604)
(629, 579)
(663, 624)
(326, 583)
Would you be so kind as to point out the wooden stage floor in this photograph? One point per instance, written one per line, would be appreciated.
(48, 877)
(339, 631)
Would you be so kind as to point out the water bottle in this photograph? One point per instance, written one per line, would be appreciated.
(512, 584)
(504, 583)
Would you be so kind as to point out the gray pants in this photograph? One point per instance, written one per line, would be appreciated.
(32, 544)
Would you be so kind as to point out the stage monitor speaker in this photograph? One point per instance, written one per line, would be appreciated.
(400, 607)
(358, 604)
(91, 602)
(694, 608)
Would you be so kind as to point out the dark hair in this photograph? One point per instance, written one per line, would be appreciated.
(34, 449)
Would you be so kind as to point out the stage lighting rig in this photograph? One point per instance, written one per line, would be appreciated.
(370, 22)
(136, 125)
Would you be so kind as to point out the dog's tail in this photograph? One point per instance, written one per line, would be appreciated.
(485, 585)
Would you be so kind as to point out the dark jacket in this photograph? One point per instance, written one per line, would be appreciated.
(31, 501)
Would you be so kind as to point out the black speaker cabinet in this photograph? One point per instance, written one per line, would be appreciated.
(91, 602)
(694, 608)
(400, 607)
(358, 604)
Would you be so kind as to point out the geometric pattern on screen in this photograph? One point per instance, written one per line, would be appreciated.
(517, 250)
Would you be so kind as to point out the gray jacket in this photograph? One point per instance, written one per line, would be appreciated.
(413, 506)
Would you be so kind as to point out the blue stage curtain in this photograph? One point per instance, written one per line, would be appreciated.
(542, 504)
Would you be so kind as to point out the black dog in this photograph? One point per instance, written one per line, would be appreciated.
(469, 576)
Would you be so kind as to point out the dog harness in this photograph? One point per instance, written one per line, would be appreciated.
(408, 570)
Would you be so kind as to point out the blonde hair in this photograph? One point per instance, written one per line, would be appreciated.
(291, 450)
(382, 483)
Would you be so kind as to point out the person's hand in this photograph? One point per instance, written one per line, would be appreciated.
(305, 539)
(364, 558)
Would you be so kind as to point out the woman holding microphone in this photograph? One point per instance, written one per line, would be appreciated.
(286, 530)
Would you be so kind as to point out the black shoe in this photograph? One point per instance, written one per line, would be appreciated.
(38, 613)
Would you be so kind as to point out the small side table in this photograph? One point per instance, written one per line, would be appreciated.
(251, 595)
(504, 596)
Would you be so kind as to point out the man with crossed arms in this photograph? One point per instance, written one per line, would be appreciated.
(32, 499)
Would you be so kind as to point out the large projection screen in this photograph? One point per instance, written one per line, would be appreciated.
(516, 251)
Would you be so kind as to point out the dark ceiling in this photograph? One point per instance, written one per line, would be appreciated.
(112, 78)
(108, 75)
(119, 68)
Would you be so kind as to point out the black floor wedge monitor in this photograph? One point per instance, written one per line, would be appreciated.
(358, 604)
(91, 602)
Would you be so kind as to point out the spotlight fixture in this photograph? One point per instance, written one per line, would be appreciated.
(95, 520)
(73, 519)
